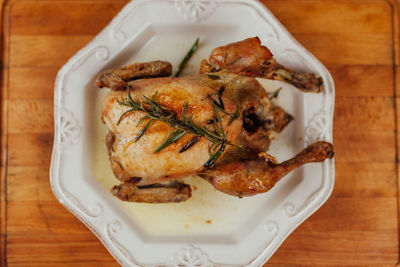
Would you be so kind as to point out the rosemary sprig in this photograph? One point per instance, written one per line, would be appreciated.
(220, 92)
(218, 126)
(235, 115)
(156, 111)
(189, 144)
(213, 77)
(216, 155)
(119, 164)
(123, 115)
(234, 61)
(224, 60)
(221, 107)
(275, 94)
(187, 57)
(141, 120)
(144, 129)
(173, 137)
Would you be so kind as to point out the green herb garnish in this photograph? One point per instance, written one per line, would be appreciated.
(213, 77)
(224, 60)
(144, 129)
(235, 115)
(221, 107)
(156, 111)
(221, 90)
(172, 138)
(187, 57)
(189, 144)
(275, 94)
(234, 61)
(119, 164)
(215, 156)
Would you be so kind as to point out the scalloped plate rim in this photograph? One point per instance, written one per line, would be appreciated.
(56, 153)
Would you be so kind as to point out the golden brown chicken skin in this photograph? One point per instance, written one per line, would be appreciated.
(136, 158)
(244, 173)
(250, 58)
(217, 124)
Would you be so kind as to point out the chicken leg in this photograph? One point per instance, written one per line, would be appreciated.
(242, 175)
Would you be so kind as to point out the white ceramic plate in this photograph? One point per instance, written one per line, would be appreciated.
(210, 229)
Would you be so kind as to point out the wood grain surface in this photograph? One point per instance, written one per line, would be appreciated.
(357, 40)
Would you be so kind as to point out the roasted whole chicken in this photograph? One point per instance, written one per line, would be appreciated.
(217, 124)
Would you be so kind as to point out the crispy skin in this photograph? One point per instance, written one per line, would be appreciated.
(117, 79)
(250, 58)
(247, 174)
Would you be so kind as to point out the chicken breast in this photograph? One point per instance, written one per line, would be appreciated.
(131, 158)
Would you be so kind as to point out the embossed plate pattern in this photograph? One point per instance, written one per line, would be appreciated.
(249, 239)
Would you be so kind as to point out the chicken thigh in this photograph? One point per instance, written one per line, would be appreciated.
(217, 124)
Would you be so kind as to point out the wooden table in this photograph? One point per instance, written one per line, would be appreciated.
(357, 40)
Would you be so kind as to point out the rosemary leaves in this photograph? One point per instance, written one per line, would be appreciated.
(156, 111)
(220, 106)
(274, 94)
(189, 144)
(187, 57)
